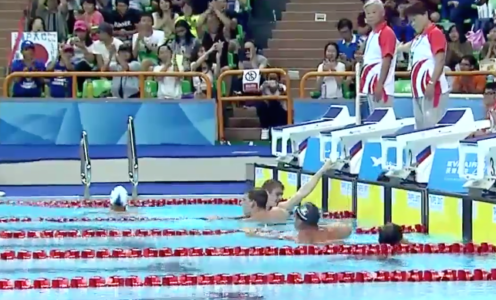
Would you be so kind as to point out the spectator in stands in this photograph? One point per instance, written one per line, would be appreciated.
(73, 6)
(330, 86)
(363, 28)
(168, 87)
(200, 62)
(456, 11)
(124, 20)
(239, 12)
(37, 25)
(489, 49)
(253, 60)
(138, 4)
(83, 58)
(271, 113)
(489, 99)
(349, 42)
(61, 87)
(213, 35)
(178, 5)
(458, 46)
(55, 16)
(192, 20)
(469, 84)
(146, 41)
(105, 46)
(91, 15)
(164, 19)
(128, 86)
(216, 10)
(401, 26)
(27, 87)
(104, 6)
(183, 44)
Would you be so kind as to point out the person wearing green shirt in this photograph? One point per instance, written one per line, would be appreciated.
(146, 42)
(191, 19)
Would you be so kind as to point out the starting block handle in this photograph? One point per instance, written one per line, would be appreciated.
(85, 167)
(132, 158)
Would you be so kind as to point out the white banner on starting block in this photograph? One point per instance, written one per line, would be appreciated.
(251, 81)
(46, 45)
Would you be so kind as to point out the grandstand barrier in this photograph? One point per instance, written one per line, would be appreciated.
(221, 99)
(141, 76)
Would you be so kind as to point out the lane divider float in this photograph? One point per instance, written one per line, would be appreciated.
(97, 203)
(249, 279)
(326, 215)
(360, 250)
(102, 233)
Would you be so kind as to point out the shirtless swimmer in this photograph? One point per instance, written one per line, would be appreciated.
(307, 218)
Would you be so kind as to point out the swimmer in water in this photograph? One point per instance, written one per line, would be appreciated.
(118, 199)
(307, 218)
(391, 234)
(262, 205)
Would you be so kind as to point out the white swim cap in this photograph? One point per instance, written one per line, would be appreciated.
(118, 196)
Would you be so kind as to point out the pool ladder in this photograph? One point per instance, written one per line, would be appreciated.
(132, 157)
(85, 165)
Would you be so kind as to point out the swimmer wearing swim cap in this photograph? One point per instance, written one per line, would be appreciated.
(391, 234)
(118, 199)
(307, 217)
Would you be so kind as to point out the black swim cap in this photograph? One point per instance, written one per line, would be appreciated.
(391, 234)
(308, 213)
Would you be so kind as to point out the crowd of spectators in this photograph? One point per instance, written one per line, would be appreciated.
(140, 35)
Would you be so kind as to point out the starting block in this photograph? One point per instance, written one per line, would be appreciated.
(297, 135)
(484, 177)
(347, 142)
(415, 148)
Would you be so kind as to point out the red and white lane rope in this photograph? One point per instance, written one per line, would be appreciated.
(96, 203)
(327, 215)
(249, 279)
(102, 233)
(361, 250)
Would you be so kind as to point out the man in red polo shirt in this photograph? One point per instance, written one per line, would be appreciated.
(379, 58)
(427, 58)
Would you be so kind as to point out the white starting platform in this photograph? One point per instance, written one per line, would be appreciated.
(484, 177)
(296, 135)
(415, 149)
(347, 142)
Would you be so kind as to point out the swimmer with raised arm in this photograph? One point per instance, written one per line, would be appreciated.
(270, 208)
(307, 218)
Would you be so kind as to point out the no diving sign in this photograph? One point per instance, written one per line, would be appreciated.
(251, 81)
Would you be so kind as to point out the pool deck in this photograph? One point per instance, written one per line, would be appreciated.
(169, 168)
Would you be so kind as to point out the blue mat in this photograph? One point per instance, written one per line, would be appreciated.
(16, 153)
(146, 188)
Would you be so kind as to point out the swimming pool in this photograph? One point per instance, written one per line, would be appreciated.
(185, 217)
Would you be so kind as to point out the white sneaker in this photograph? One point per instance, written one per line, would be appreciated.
(265, 134)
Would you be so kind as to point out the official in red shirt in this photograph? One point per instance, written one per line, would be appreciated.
(427, 59)
(379, 58)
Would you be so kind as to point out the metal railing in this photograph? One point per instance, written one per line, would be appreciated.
(220, 111)
(141, 76)
(132, 158)
(85, 165)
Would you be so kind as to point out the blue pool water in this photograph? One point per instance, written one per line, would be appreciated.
(32, 269)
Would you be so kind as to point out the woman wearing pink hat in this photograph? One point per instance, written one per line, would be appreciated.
(83, 58)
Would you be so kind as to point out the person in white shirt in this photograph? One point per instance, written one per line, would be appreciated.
(146, 41)
(164, 18)
(103, 47)
(330, 86)
(169, 87)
